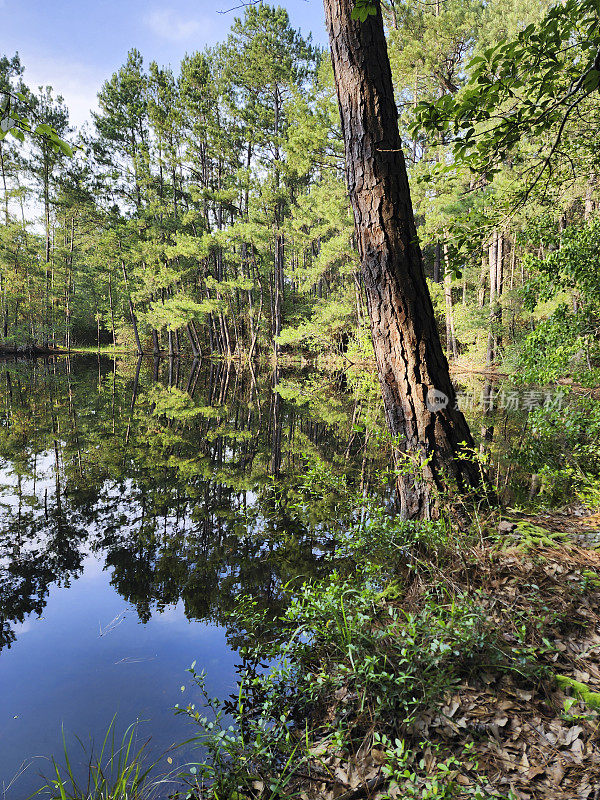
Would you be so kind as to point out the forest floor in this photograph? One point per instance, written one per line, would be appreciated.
(502, 734)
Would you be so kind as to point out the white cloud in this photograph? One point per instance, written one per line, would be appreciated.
(169, 24)
(77, 82)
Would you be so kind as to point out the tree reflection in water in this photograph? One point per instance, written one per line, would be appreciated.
(189, 482)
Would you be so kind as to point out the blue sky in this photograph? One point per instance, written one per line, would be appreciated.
(75, 45)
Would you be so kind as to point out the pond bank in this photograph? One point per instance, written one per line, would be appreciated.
(435, 676)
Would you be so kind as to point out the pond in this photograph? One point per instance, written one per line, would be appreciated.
(138, 500)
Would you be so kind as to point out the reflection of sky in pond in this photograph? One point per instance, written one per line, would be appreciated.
(62, 672)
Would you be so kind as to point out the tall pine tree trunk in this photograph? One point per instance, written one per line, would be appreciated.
(132, 314)
(451, 348)
(278, 291)
(410, 359)
(437, 263)
(481, 289)
(496, 259)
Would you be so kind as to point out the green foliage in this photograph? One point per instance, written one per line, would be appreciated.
(573, 263)
(538, 78)
(561, 448)
(386, 539)
(363, 9)
(345, 638)
(13, 107)
(341, 639)
(549, 352)
(410, 773)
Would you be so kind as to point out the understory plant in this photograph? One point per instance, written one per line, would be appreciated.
(561, 448)
(365, 649)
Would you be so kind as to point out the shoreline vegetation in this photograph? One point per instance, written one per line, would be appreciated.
(431, 665)
(432, 662)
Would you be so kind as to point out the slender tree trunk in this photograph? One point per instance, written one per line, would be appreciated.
(5, 311)
(278, 290)
(513, 263)
(192, 339)
(132, 315)
(46, 193)
(482, 277)
(68, 284)
(256, 322)
(112, 310)
(192, 327)
(496, 259)
(155, 342)
(451, 349)
(502, 246)
(412, 367)
(4, 185)
(492, 259)
(437, 263)
(278, 266)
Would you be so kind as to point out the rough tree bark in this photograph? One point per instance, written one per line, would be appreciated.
(410, 358)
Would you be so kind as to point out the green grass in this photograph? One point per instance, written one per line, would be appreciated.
(118, 772)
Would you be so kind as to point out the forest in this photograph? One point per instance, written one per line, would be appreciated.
(306, 342)
(206, 212)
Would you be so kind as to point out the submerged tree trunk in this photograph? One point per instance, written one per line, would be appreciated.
(419, 399)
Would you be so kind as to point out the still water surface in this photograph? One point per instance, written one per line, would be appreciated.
(137, 501)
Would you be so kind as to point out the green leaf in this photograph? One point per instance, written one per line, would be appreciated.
(592, 79)
(43, 129)
(64, 147)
